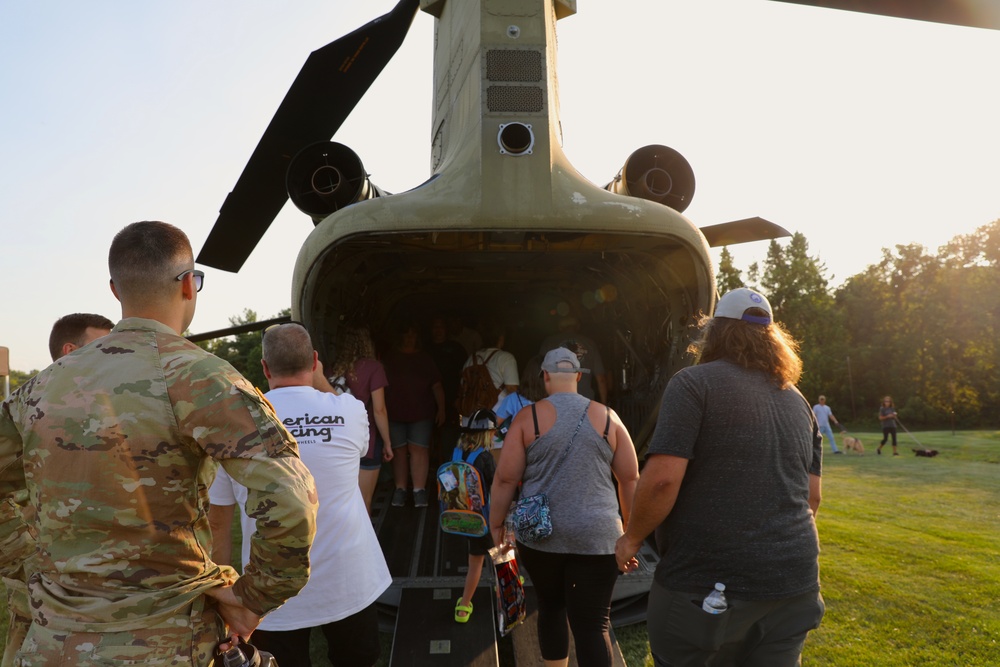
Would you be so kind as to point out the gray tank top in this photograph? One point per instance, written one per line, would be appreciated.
(577, 479)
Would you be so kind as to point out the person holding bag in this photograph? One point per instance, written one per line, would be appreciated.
(563, 448)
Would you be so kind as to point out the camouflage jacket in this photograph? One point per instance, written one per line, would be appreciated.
(116, 446)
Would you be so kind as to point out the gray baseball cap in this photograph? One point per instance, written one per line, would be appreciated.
(561, 360)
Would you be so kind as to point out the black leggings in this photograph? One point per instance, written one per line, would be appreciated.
(578, 588)
(890, 430)
(351, 642)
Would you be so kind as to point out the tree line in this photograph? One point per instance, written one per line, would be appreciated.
(916, 326)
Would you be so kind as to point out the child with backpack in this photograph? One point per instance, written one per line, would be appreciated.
(465, 491)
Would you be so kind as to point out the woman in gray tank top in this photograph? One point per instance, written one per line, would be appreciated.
(568, 448)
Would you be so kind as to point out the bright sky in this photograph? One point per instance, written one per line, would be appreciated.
(862, 132)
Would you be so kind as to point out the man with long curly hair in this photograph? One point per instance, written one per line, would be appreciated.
(732, 486)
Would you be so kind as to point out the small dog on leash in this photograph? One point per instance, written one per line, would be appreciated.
(852, 443)
(929, 453)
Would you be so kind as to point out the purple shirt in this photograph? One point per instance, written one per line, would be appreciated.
(409, 397)
(368, 376)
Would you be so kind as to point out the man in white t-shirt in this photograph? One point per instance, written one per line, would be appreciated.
(824, 415)
(348, 571)
(501, 364)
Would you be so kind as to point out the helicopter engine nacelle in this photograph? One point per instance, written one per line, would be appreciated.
(657, 173)
(325, 177)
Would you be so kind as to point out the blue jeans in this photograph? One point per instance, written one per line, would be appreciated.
(828, 434)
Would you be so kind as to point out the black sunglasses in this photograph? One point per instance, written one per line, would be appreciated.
(199, 278)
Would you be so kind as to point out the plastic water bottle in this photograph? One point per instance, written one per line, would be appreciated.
(510, 532)
(715, 602)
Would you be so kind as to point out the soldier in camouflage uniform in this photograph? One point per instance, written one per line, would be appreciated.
(105, 461)
(73, 331)
(69, 333)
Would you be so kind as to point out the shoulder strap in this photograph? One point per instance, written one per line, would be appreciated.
(568, 444)
(458, 454)
(607, 423)
(586, 409)
(474, 454)
(487, 359)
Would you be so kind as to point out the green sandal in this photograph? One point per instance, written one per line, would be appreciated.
(460, 608)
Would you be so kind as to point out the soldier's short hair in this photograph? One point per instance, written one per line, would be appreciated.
(146, 257)
(73, 328)
(287, 349)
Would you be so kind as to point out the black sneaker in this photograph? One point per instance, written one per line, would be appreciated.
(420, 497)
(399, 498)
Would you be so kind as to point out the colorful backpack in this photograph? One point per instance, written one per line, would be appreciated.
(464, 507)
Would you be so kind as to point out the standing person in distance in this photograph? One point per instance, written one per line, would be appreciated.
(449, 356)
(732, 486)
(501, 364)
(887, 417)
(569, 336)
(357, 369)
(824, 415)
(348, 569)
(116, 445)
(569, 448)
(71, 332)
(415, 401)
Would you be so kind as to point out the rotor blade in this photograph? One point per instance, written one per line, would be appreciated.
(238, 329)
(326, 90)
(743, 231)
(974, 13)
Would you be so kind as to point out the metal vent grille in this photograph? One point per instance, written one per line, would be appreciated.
(513, 65)
(514, 99)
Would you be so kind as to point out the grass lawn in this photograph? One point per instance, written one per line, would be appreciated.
(910, 561)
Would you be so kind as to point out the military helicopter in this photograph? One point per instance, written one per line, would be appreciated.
(503, 215)
(504, 224)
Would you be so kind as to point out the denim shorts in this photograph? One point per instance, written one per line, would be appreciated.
(411, 433)
(372, 460)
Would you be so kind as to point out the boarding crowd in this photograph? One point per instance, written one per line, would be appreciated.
(125, 464)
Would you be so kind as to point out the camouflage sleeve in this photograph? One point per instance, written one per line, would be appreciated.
(236, 425)
(282, 500)
(224, 413)
(16, 540)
